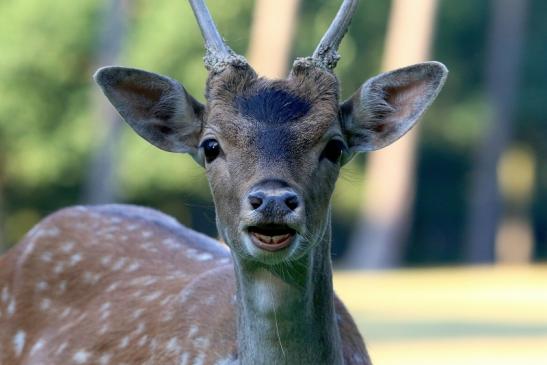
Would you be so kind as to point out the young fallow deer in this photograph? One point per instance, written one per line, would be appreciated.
(119, 284)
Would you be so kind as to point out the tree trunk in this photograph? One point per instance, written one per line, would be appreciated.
(101, 185)
(379, 239)
(501, 69)
(272, 36)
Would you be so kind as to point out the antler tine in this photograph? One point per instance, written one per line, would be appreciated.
(326, 53)
(218, 54)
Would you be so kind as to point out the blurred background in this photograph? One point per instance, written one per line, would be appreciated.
(468, 186)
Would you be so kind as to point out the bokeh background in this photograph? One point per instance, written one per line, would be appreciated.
(466, 187)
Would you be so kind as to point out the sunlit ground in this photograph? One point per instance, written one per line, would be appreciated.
(495, 315)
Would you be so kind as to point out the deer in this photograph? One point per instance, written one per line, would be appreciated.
(122, 284)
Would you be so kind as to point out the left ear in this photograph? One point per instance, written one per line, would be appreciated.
(388, 105)
(158, 108)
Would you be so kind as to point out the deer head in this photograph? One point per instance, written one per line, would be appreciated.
(272, 149)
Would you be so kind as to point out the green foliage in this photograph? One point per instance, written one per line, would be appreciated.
(48, 128)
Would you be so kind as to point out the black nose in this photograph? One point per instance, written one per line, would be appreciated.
(282, 201)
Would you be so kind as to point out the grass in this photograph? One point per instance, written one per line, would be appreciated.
(480, 315)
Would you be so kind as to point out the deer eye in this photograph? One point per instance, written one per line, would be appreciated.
(211, 149)
(333, 150)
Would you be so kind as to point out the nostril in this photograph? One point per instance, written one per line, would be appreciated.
(292, 202)
(255, 201)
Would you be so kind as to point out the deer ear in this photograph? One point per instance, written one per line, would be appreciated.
(156, 107)
(388, 105)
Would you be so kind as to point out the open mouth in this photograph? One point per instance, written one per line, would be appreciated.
(271, 237)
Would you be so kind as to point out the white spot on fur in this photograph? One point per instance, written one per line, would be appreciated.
(41, 286)
(153, 296)
(143, 281)
(142, 341)
(19, 342)
(106, 260)
(91, 278)
(210, 300)
(81, 357)
(200, 359)
(113, 287)
(140, 329)
(124, 342)
(149, 247)
(150, 281)
(105, 359)
(132, 227)
(225, 361)
(173, 345)
(193, 330)
(37, 346)
(11, 308)
(62, 287)
(201, 343)
(104, 329)
(168, 316)
(133, 267)
(67, 326)
(50, 232)
(137, 294)
(81, 317)
(118, 265)
(59, 268)
(45, 304)
(65, 312)
(46, 256)
(74, 259)
(193, 254)
(185, 294)
(105, 310)
(167, 299)
(137, 313)
(5, 294)
(67, 246)
(146, 234)
(184, 358)
(61, 348)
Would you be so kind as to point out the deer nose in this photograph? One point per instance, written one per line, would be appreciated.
(277, 201)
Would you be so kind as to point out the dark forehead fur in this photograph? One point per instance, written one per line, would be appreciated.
(307, 99)
(272, 105)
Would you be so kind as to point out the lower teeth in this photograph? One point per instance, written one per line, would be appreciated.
(271, 239)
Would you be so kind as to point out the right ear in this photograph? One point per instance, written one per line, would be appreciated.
(156, 107)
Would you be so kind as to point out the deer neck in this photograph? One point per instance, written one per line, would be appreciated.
(286, 313)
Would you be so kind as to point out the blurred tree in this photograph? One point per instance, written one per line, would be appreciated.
(43, 109)
(272, 34)
(380, 235)
(101, 184)
(505, 36)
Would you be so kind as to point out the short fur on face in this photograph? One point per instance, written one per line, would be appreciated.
(272, 129)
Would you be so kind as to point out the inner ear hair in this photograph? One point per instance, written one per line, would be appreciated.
(388, 105)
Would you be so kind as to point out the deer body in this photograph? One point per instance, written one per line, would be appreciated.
(127, 285)
(121, 284)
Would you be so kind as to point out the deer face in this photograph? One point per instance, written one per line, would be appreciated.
(272, 149)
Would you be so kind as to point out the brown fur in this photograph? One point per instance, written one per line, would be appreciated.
(139, 274)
